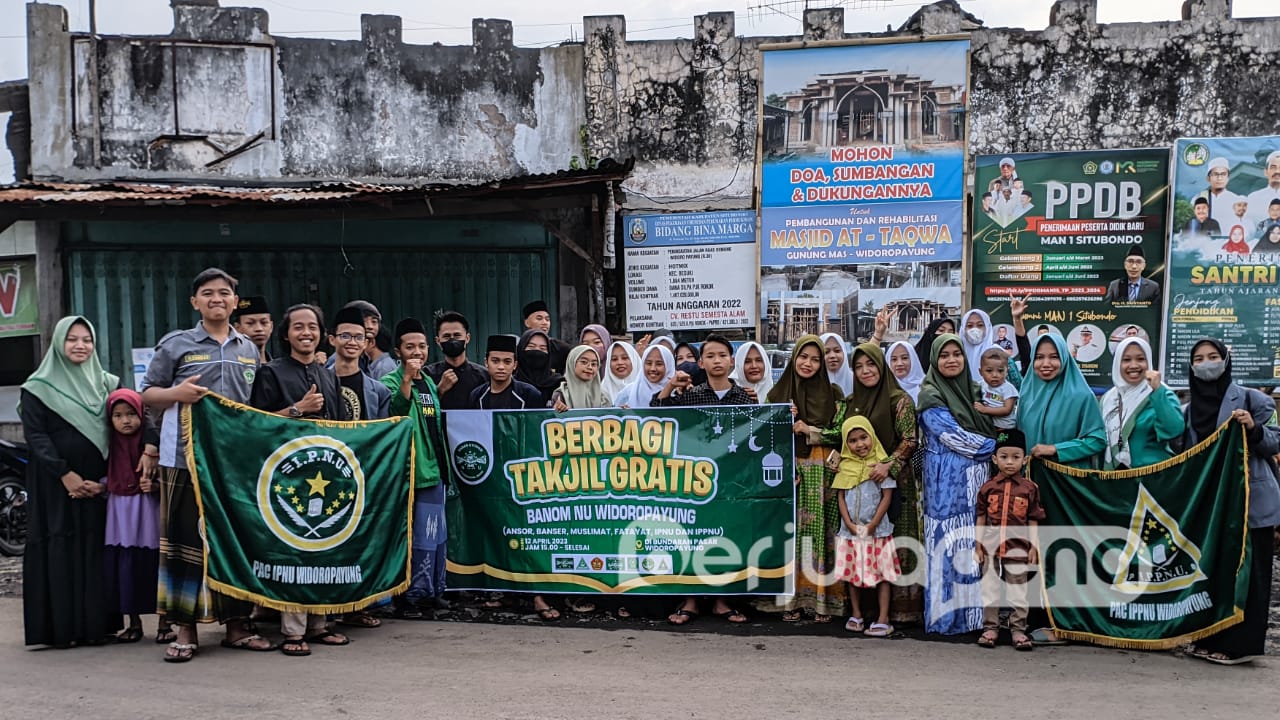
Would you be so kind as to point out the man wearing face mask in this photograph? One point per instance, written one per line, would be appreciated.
(455, 376)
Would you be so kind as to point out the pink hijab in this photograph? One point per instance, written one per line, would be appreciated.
(124, 451)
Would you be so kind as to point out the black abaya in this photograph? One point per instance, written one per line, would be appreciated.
(62, 569)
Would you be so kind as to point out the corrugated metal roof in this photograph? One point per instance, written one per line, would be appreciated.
(117, 192)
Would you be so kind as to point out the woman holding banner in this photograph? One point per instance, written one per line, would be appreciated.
(1141, 414)
(1216, 399)
(1062, 422)
(877, 396)
(751, 370)
(818, 412)
(959, 442)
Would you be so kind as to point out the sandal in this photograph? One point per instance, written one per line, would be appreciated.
(1046, 637)
(822, 618)
(360, 620)
(1219, 658)
(623, 613)
(247, 643)
(854, 624)
(295, 647)
(685, 617)
(792, 616)
(548, 613)
(988, 638)
(581, 606)
(879, 630)
(165, 635)
(182, 652)
(1022, 643)
(130, 634)
(729, 615)
(327, 637)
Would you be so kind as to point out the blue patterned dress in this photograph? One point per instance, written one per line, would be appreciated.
(955, 466)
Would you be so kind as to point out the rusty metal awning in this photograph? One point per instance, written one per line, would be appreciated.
(119, 193)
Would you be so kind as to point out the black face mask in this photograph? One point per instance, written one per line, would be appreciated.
(453, 348)
(536, 359)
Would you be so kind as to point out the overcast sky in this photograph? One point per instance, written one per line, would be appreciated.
(543, 22)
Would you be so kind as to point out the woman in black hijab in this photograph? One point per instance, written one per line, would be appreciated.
(533, 364)
(1216, 399)
(941, 326)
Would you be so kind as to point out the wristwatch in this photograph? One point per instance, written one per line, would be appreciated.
(294, 412)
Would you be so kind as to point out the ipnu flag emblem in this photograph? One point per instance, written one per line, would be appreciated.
(311, 493)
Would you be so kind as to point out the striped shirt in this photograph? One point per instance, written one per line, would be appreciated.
(227, 369)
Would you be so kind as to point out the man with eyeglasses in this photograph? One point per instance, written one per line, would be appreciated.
(366, 397)
(1133, 288)
(455, 376)
(1220, 198)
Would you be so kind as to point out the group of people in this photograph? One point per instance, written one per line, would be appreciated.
(1251, 223)
(903, 442)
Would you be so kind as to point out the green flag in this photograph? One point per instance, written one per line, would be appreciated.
(301, 515)
(1148, 558)
(670, 501)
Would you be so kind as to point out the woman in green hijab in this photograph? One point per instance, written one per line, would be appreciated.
(63, 408)
(818, 411)
(1062, 422)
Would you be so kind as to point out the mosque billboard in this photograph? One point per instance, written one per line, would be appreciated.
(861, 186)
(1224, 255)
(1081, 236)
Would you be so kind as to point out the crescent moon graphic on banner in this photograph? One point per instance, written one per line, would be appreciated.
(751, 443)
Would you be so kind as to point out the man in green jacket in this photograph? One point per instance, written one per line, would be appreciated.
(414, 394)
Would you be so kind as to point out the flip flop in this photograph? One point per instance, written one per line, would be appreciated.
(1040, 636)
(322, 638)
(1224, 659)
(246, 643)
(166, 636)
(1022, 643)
(988, 639)
(729, 614)
(854, 624)
(879, 630)
(360, 620)
(185, 651)
(688, 615)
(548, 614)
(129, 635)
(300, 647)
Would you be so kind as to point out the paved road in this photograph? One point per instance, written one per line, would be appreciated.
(475, 670)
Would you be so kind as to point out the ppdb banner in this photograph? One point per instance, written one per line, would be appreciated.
(650, 501)
(301, 515)
(1158, 556)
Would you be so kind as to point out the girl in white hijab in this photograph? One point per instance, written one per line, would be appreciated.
(835, 350)
(1141, 414)
(657, 366)
(621, 357)
(762, 386)
(906, 367)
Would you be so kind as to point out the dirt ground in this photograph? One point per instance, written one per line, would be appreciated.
(506, 664)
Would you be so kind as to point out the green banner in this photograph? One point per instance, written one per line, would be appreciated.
(301, 515)
(19, 314)
(1148, 558)
(1224, 256)
(1058, 227)
(664, 502)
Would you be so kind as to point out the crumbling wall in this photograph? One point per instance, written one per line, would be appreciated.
(1080, 85)
(220, 97)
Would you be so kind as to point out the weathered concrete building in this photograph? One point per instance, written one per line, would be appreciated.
(478, 177)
